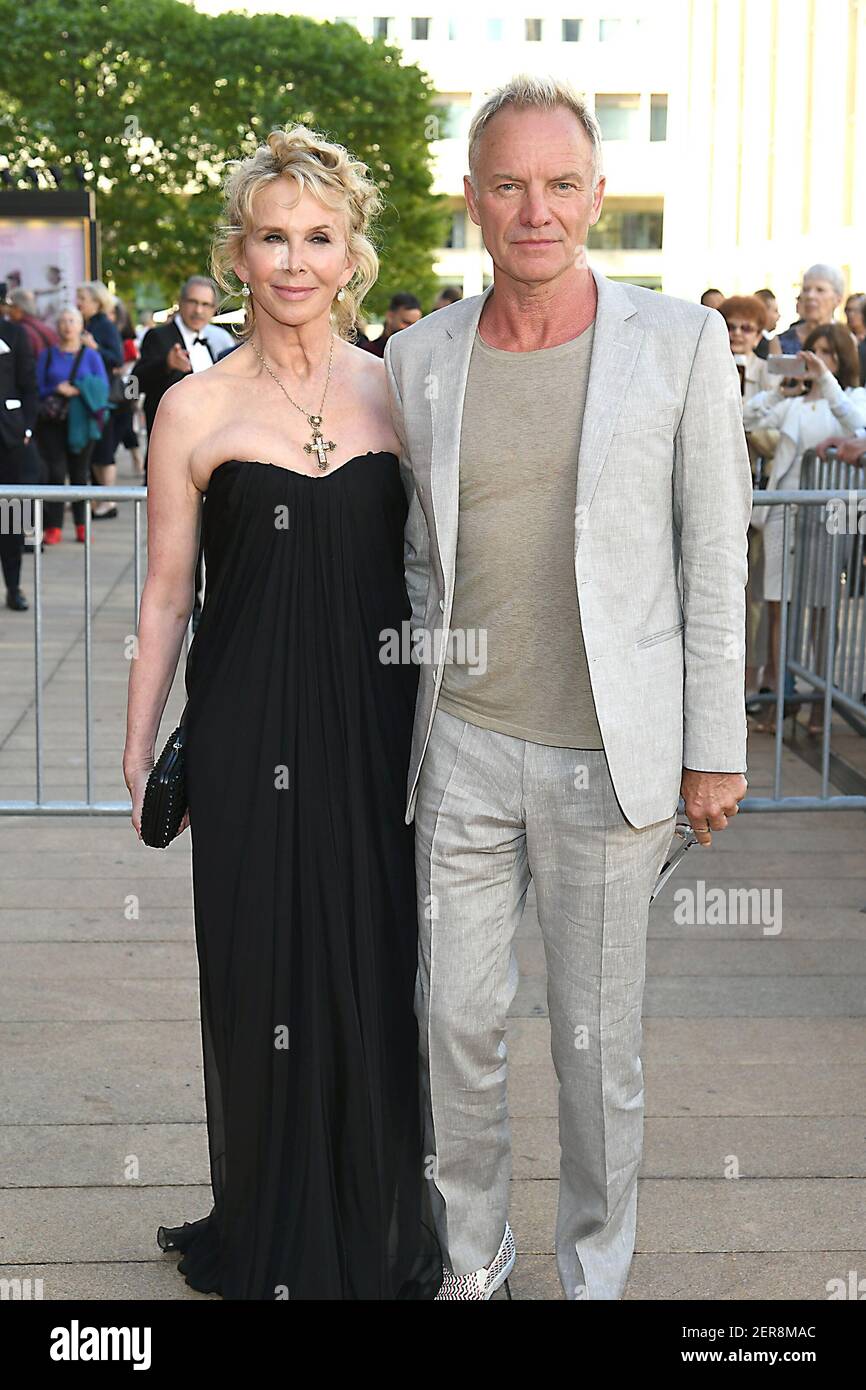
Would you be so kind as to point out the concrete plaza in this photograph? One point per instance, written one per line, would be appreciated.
(753, 1053)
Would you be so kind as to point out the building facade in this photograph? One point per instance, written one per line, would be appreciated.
(733, 130)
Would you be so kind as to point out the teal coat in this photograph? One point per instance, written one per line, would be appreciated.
(83, 419)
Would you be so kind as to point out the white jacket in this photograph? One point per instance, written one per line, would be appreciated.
(771, 410)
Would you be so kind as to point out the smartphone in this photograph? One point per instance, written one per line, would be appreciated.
(785, 365)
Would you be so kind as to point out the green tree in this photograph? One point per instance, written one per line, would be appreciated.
(153, 99)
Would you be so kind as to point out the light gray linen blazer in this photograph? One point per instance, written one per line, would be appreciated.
(662, 508)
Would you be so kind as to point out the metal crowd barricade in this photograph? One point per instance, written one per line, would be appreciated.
(14, 509)
(823, 623)
(819, 572)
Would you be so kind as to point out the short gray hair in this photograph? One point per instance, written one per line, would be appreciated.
(25, 300)
(525, 90)
(201, 280)
(826, 272)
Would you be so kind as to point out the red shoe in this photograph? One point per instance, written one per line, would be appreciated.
(79, 533)
(52, 535)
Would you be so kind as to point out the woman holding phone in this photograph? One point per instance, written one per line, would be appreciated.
(825, 400)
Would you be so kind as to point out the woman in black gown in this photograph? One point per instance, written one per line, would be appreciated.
(297, 749)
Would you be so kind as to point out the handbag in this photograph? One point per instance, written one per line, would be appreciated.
(165, 794)
(55, 407)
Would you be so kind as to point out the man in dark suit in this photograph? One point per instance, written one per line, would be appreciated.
(187, 342)
(18, 401)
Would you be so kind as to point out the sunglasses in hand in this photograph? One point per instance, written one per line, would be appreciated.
(687, 837)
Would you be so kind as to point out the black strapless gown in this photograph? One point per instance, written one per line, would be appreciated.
(297, 753)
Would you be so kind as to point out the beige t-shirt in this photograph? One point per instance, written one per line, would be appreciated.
(516, 660)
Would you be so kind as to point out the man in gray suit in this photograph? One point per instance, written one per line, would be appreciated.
(581, 634)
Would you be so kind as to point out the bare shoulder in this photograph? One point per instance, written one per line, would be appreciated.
(203, 390)
(175, 430)
(365, 363)
(181, 401)
(191, 411)
(366, 387)
(365, 372)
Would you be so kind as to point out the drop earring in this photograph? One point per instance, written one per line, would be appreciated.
(341, 294)
(245, 290)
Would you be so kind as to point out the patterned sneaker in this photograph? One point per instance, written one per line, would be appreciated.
(482, 1283)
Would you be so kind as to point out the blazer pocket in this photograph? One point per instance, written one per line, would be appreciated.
(664, 421)
(663, 636)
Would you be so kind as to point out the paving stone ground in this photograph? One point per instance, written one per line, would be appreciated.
(753, 1052)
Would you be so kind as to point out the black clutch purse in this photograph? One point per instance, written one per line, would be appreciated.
(165, 794)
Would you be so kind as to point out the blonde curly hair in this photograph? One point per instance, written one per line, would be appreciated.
(335, 177)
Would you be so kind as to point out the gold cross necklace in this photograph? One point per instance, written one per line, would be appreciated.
(319, 445)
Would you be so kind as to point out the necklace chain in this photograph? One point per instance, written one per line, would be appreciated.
(319, 445)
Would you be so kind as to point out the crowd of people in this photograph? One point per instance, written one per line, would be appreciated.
(811, 397)
(67, 409)
(86, 380)
(90, 381)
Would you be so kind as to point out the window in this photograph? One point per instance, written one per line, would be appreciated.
(571, 30)
(659, 116)
(453, 117)
(619, 115)
(382, 28)
(618, 230)
(533, 30)
(494, 30)
(420, 28)
(456, 238)
(614, 30)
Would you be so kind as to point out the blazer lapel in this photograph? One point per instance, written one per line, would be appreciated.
(446, 387)
(615, 346)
